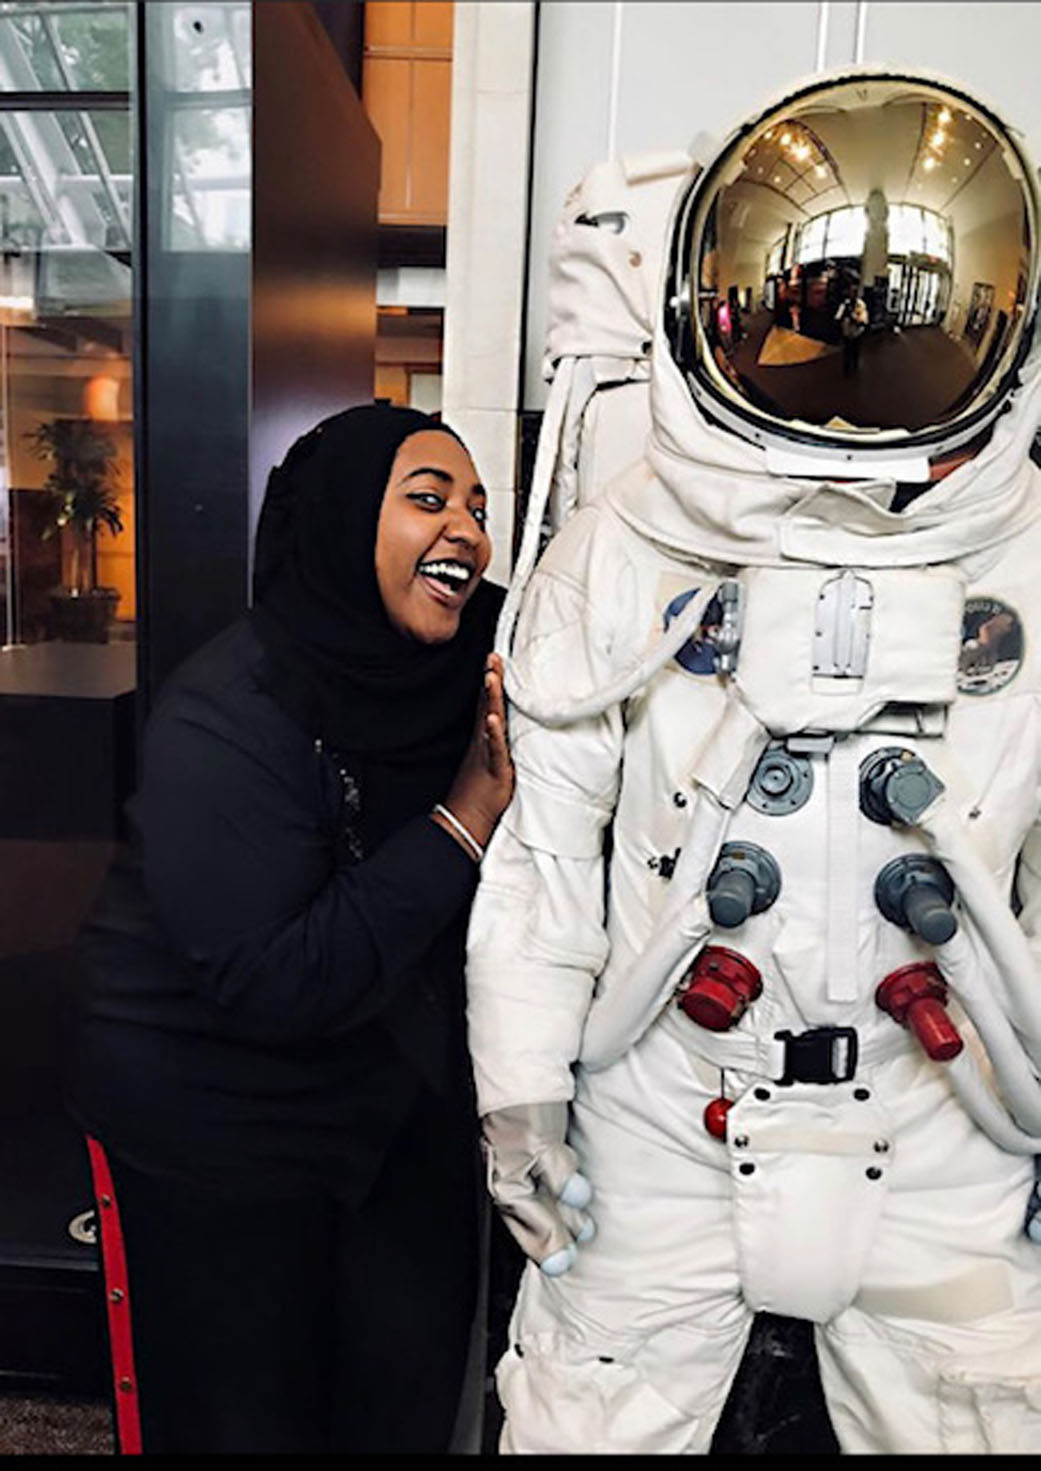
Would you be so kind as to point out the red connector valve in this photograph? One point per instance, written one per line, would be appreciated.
(718, 988)
(715, 1117)
(916, 997)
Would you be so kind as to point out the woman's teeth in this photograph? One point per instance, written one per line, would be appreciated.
(452, 576)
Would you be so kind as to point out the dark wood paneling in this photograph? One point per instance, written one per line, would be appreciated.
(345, 22)
(315, 184)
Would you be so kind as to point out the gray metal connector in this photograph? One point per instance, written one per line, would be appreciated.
(728, 640)
(746, 880)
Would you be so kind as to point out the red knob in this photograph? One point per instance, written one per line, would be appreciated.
(715, 1116)
(916, 996)
(717, 989)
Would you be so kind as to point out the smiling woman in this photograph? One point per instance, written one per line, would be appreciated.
(270, 1034)
(432, 546)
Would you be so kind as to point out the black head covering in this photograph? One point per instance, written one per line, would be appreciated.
(334, 661)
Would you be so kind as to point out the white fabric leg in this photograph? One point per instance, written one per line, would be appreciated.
(941, 1351)
(635, 1348)
(906, 1387)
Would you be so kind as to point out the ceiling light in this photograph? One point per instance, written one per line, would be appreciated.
(802, 152)
(939, 138)
(967, 162)
(945, 115)
(777, 178)
(928, 163)
(978, 144)
(820, 171)
(786, 138)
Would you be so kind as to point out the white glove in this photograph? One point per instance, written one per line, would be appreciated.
(534, 1180)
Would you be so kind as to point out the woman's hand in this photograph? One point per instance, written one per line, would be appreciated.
(483, 784)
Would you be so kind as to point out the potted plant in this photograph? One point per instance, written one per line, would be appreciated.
(82, 487)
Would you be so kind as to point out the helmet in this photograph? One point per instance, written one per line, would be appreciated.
(855, 275)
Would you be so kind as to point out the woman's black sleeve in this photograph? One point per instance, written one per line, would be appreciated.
(238, 864)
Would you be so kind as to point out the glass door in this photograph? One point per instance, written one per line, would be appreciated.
(68, 619)
(66, 461)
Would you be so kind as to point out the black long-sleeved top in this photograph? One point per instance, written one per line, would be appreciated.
(257, 1006)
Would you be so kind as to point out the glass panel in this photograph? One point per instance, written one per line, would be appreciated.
(65, 47)
(21, 220)
(919, 231)
(846, 231)
(937, 236)
(208, 47)
(89, 133)
(66, 380)
(811, 240)
(66, 178)
(100, 143)
(68, 600)
(66, 181)
(906, 232)
(210, 199)
(31, 38)
(204, 64)
(94, 45)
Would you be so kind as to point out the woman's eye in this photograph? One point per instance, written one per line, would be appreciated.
(428, 499)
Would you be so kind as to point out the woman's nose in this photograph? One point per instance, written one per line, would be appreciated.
(460, 526)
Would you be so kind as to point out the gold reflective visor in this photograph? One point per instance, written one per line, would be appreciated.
(862, 259)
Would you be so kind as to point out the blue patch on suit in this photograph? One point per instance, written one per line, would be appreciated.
(698, 655)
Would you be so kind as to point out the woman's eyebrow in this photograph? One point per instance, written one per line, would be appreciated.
(442, 475)
(476, 489)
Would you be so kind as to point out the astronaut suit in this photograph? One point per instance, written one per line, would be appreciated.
(754, 1000)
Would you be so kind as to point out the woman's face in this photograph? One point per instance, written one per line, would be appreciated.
(431, 543)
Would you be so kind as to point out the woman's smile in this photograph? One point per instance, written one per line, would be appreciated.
(448, 580)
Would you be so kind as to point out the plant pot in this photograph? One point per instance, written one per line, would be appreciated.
(82, 617)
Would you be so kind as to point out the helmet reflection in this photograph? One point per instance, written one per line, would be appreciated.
(862, 259)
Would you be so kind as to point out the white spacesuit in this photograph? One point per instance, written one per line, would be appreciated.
(761, 928)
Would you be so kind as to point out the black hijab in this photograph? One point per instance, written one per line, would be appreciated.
(334, 662)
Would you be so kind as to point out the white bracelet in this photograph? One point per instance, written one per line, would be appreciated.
(467, 836)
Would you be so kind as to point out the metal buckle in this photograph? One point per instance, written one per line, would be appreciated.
(822, 1055)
